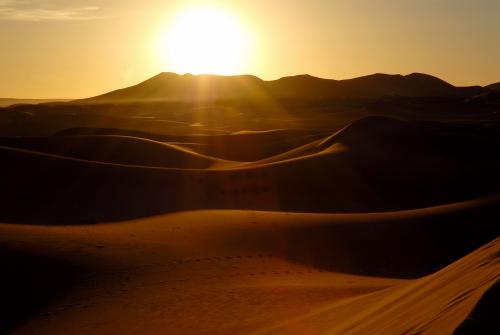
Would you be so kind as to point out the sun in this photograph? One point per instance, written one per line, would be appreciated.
(203, 40)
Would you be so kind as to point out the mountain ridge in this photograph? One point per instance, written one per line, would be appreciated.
(6, 102)
(169, 86)
(494, 87)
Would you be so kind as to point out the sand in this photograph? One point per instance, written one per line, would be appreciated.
(240, 272)
(381, 227)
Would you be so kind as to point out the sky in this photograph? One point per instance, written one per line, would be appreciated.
(81, 48)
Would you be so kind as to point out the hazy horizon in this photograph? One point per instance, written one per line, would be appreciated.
(55, 50)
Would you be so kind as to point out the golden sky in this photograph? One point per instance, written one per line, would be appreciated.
(81, 48)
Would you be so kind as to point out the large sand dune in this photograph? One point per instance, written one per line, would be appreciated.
(249, 272)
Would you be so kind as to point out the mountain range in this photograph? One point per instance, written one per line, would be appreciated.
(4, 102)
(174, 87)
(494, 87)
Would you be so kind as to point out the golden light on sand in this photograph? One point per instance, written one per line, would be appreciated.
(204, 40)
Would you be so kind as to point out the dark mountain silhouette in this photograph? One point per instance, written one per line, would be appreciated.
(4, 102)
(174, 87)
(495, 87)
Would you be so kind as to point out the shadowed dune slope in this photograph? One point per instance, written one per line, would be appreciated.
(340, 242)
(375, 164)
(241, 146)
(114, 149)
(484, 316)
(393, 136)
(385, 137)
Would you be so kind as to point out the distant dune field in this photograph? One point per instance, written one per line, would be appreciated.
(375, 164)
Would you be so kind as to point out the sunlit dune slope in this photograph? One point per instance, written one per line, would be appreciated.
(375, 164)
(245, 272)
(436, 304)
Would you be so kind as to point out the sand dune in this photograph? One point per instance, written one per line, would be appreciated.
(239, 146)
(436, 304)
(247, 272)
(115, 149)
(376, 164)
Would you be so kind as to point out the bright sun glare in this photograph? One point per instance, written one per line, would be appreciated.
(205, 40)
